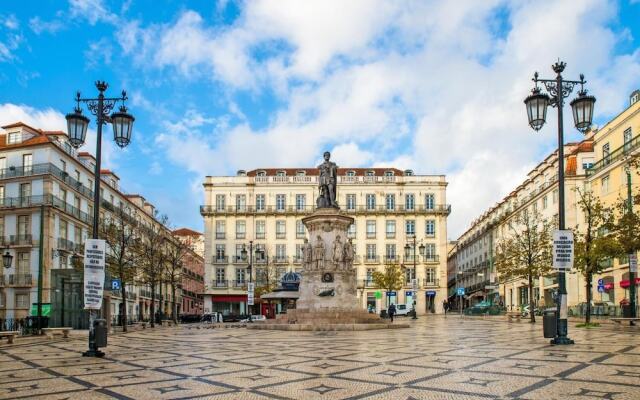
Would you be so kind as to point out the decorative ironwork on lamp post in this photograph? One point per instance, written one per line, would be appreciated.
(77, 124)
(407, 248)
(582, 107)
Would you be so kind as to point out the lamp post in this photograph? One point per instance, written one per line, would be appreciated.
(582, 107)
(243, 255)
(77, 124)
(632, 271)
(407, 248)
(7, 259)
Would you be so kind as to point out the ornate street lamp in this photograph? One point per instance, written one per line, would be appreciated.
(77, 129)
(582, 107)
(7, 259)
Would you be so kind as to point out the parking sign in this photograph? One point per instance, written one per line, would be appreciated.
(460, 291)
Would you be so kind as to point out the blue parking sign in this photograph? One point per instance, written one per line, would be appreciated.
(600, 282)
(115, 284)
(460, 291)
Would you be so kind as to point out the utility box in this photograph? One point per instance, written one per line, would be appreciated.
(100, 332)
(549, 323)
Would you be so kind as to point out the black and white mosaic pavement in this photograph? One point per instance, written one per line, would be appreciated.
(437, 358)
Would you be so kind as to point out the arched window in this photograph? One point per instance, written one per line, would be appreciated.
(371, 173)
(388, 173)
(281, 173)
(261, 173)
(351, 173)
(301, 173)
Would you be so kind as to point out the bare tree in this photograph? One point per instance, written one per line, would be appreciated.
(176, 252)
(526, 252)
(121, 236)
(153, 257)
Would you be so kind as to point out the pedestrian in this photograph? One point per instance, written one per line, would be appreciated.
(392, 311)
(445, 305)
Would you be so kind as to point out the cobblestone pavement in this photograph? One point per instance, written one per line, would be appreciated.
(437, 358)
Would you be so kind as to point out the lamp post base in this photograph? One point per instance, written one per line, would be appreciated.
(561, 340)
(93, 353)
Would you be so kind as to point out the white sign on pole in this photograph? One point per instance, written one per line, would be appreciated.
(414, 284)
(250, 288)
(563, 249)
(94, 261)
(633, 263)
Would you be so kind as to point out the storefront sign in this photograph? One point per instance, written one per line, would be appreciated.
(391, 293)
(250, 288)
(430, 293)
(94, 253)
(563, 249)
(633, 263)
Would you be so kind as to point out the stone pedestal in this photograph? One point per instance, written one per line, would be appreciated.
(328, 298)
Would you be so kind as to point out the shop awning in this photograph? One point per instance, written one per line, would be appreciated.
(281, 295)
(626, 284)
(229, 298)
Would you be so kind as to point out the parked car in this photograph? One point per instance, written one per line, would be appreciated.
(255, 318)
(484, 307)
(402, 309)
(210, 318)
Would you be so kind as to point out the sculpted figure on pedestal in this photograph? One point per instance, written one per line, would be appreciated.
(327, 183)
(348, 254)
(307, 255)
(318, 253)
(338, 252)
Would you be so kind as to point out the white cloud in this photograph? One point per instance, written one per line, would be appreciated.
(436, 87)
(39, 26)
(93, 11)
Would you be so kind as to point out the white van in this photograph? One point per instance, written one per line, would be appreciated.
(402, 309)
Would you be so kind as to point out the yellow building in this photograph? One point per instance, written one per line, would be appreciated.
(614, 143)
(266, 206)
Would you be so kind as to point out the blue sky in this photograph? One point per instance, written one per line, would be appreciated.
(220, 86)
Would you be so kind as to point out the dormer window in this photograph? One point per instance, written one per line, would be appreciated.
(281, 173)
(408, 172)
(370, 173)
(14, 137)
(388, 173)
(301, 173)
(261, 173)
(351, 173)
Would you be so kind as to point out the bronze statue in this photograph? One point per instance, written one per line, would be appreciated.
(327, 183)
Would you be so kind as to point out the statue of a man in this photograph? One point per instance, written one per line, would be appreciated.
(318, 253)
(348, 254)
(327, 182)
(338, 252)
(307, 254)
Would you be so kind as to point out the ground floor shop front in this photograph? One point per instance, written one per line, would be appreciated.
(426, 301)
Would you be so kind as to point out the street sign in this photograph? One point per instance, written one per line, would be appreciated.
(250, 289)
(94, 252)
(460, 291)
(600, 289)
(408, 293)
(563, 249)
(414, 284)
(391, 293)
(600, 282)
(115, 284)
(633, 263)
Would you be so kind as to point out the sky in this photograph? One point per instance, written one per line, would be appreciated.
(217, 86)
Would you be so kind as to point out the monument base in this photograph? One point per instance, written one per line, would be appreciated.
(330, 319)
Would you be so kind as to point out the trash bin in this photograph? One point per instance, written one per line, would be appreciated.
(383, 314)
(549, 323)
(100, 332)
(626, 311)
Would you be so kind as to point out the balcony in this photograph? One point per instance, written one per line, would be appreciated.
(18, 280)
(67, 245)
(46, 200)
(366, 283)
(46, 168)
(207, 210)
(21, 240)
(614, 156)
(242, 284)
(370, 259)
(281, 260)
(220, 284)
(390, 235)
(220, 260)
(297, 260)
(431, 259)
(240, 235)
(239, 260)
(391, 259)
(431, 283)
(410, 258)
(371, 235)
(220, 235)
(281, 235)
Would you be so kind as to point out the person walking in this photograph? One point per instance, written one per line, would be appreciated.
(445, 306)
(391, 311)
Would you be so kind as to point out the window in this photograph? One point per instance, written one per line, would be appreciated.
(429, 201)
(63, 195)
(410, 227)
(606, 153)
(351, 173)
(1, 193)
(430, 251)
(23, 266)
(27, 162)
(2, 227)
(220, 252)
(220, 229)
(545, 202)
(390, 202)
(260, 202)
(430, 276)
(390, 252)
(241, 202)
(63, 229)
(281, 232)
(77, 235)
(371, 202)
(351, 231)
(260, 229)
(627, 139)
(351, 202)
(298, 252)
(281, 173)
(301, 173)
(22, 300)
(371, 252)
(370, 173)
(220, 202)
(370, 272)
(24, 225)
(371, 229)
(430, 227)
(390, 229)
(261, 173)
(409, 274)
(25, 191)
(239, 247)
(388, 173)
(409, 202)
(14, 137)
(300, 230)
(241, 229)
(605, 184)
(281, 252)
(240, 274)
(77, 175)
(554, 196)
(220, 276)
(280, 202)
(3, 165)
(301, 201)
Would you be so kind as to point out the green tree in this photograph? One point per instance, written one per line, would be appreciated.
(593, 247)
(391, 279)
(525, 252)
(120, 233)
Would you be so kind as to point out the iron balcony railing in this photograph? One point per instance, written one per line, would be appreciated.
(220, 284)
(221, 260)
(367, 283)
(431, 282)
(25, 280)
(432, 258)
(391, 259)
(46, 168)
(369, 259)
(65, 244)
(614, 156)
(281, 259)
(239, 284)
(21, 240)
(231, 210)
(47, 200)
